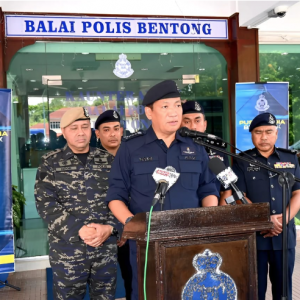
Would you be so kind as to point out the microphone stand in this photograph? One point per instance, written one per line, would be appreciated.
(286, 181)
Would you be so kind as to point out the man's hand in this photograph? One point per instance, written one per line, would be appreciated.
(103, 232)
(87, 233)
(277, 221)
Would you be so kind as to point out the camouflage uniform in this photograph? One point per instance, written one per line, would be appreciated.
(68, 196)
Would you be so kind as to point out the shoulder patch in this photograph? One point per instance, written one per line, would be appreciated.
(287, 150)
(132, 136)
(47, 155)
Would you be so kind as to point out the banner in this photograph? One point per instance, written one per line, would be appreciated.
(93, 27)
(253, 99)
(6, 223)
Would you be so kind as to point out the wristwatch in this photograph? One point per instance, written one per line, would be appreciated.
(114, 231)
(128, 219)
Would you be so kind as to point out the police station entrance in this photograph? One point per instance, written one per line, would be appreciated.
(48, 78)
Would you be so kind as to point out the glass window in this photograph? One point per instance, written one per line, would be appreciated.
(84, 76)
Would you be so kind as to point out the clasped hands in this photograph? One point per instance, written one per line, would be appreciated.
(277, 221)
(95, 234)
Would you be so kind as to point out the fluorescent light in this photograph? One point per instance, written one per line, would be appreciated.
(84, 80)
(80, 88)
(164, 53)
(79, 69)
(35, 89)
(202, 69)
(32, 80)
(144, 69)
(284, 53)
(85, 53)
(224, 79)
(28, 70)
(122, 88)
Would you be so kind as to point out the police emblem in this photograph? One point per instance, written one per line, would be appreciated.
(197, 106)
(115, 114)
(262, 103)
(271, 120)
(123, 67)
(85, 111)
(209, 282)
(187, 150)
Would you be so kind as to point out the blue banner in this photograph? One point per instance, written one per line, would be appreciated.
(253, 99)
(6, 223)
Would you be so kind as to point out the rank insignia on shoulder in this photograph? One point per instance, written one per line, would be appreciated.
(293, 151)
(284, 165)
(51, 153)
(187, 150)
(132, 136)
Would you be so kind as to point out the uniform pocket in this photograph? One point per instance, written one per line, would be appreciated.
(190, 171)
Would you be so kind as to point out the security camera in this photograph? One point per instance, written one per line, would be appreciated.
(278, 12)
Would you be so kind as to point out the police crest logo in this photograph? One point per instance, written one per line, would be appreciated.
(271, 120)
(197, 106)
(115, 115)
(262, 103)
(85, 111)
(187, 150)
(209, 282)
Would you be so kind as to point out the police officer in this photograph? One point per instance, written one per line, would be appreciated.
(109, 131)
(70, 190)
(260, 185)
(160, 146)
(193, 117)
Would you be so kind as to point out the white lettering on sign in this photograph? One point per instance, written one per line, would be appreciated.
(79, 27)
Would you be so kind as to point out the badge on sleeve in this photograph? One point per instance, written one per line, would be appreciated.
(187, 150)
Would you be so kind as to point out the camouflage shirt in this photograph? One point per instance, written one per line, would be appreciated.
(69, 195)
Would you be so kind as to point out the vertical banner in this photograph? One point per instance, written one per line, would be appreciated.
(6, 223)
(253, 99)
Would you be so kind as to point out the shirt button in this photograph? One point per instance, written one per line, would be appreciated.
(272, 186)
(253, 177)
(273, 198)
(274, 211)
(268, 163)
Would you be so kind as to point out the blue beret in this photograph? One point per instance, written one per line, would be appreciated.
(190, 107)
(265, 119)
(163, 90)
(107, 117)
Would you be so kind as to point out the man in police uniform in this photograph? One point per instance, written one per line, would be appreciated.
(109, 131)
(70, 190)
(260, 185)
(193, 117)
(160, 146)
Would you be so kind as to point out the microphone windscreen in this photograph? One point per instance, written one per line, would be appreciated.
(183, 131)
(216, 165)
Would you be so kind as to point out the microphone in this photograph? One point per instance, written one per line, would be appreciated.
(206, 137)
(227, 178)
(164, 178)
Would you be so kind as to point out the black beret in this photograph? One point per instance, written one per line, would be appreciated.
(107, 117)
(190, 107)
(265, 119)
(163, 90)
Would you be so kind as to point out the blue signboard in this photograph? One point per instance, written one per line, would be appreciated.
(253, 99)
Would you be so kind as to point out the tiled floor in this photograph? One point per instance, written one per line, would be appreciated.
(33, 284)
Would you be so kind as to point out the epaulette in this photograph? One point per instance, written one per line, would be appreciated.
(47, 155)
(132, 136)
(246, 151)
(293, 151)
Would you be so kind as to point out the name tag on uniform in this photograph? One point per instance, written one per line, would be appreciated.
(253, 168)
(100, 160)
(64, 163)
(99, 167)
(284, 165)
(71, 168)
(187, 150)
(218, 156)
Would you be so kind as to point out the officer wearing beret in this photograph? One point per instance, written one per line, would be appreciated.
(193, 117)
(70, 192)
(109, 131)
(131, 185)
(260, 185)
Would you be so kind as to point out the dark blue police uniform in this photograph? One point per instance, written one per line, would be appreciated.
(262, 186)
(131, 176)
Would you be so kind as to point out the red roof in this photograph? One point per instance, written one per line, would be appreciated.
(41, 125)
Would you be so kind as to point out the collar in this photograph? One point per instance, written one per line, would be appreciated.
(256, 151)
(68, 153)
(151, 136)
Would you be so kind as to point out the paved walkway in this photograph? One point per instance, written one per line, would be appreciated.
(33, 284)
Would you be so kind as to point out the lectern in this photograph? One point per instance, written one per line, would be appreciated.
(200, 253)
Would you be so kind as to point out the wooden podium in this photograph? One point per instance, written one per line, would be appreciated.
(176, 236)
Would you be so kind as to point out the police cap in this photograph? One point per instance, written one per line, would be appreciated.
(190, 107)
(107, 117)
(265, 119)
(163, 90)
(74, 114)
